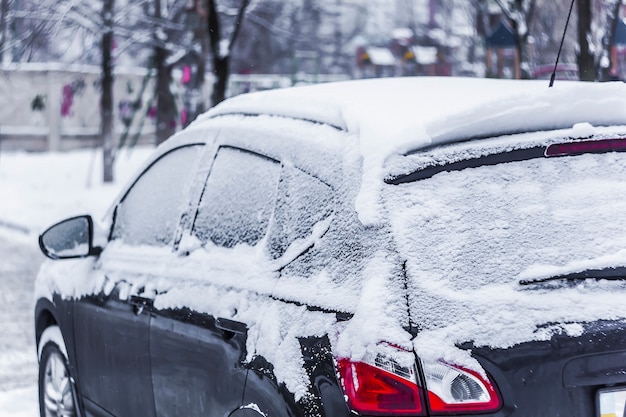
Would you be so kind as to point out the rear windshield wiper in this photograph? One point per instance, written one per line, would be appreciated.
(617, 273)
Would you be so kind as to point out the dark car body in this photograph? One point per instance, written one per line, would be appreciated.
(393, 247)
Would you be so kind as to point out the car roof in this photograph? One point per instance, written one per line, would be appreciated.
(413, 113)
(383, 118)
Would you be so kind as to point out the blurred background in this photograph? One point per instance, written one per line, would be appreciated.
(113, 73)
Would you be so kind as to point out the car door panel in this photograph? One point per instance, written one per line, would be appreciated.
(112, 340)
(197, 364)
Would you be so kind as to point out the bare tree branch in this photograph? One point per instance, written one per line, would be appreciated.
(238, 22)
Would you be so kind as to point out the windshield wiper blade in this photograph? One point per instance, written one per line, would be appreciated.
(617, 273)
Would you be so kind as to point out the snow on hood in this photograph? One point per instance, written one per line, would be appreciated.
(391, 116)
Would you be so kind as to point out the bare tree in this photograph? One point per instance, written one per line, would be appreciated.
(585, 56)
(4, 11)
(612, 9)
(520, 13)
(165, 106)
(221, 48)
(107, 90)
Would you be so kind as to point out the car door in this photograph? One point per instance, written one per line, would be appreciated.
(302, 215)
(198, 353)
(112, 326)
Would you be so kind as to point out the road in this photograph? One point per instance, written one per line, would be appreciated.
(19, 262)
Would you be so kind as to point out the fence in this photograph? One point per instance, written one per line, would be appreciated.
(57, 107)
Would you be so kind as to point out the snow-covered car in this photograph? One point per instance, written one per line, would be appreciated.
(397, 247)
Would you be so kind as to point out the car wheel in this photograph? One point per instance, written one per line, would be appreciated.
(56, 397)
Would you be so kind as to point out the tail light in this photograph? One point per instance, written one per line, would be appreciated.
(454, 390)
(380, 388)
(586, 146)
(383, 387)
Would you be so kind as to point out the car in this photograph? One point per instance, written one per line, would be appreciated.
(562, 72)
(392, 247)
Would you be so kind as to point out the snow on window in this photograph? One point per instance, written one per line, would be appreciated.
(470, 236)
(302, 202)
(238, 199)
(493, 223)
(150, 212)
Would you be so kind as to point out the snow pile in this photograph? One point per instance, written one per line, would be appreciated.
(20, 403)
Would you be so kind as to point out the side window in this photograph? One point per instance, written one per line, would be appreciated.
(303, 200)
(238, 198)
(150, 211)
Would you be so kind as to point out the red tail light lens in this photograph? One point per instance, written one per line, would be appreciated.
(372, 390)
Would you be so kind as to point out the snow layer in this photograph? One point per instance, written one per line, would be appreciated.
(402, 114)
(471, 236)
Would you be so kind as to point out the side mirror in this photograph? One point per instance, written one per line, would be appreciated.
(70, 238)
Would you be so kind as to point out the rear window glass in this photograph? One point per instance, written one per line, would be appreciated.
(512, 221)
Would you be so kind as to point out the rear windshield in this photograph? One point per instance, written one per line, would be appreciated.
(512, 221)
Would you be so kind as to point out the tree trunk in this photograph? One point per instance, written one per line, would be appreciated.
(604, 61)
(4, 11)
(220, 64)
(524, 57)
(221, 72)
(585, 57)
(107, 91)
(165, 107)
(221, 55)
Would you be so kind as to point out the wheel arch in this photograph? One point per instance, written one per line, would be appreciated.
(45, 316)
(266, 396)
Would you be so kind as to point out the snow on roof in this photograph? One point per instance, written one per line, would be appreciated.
(380, 56)
(437, 109)
(396, 115)
(402, 33)
(425, 55)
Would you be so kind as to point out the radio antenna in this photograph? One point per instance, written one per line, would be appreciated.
(558, 55)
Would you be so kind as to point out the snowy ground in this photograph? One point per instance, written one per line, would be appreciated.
(35, 191)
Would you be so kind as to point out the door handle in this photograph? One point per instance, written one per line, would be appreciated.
(140, 303)
(230, 326)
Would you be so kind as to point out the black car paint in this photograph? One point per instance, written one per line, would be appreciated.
(112, 363)
(578, 366)
(195, 356)
(561, 376)
(197, 367)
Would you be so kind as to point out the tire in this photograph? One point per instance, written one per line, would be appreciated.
(56, 391)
